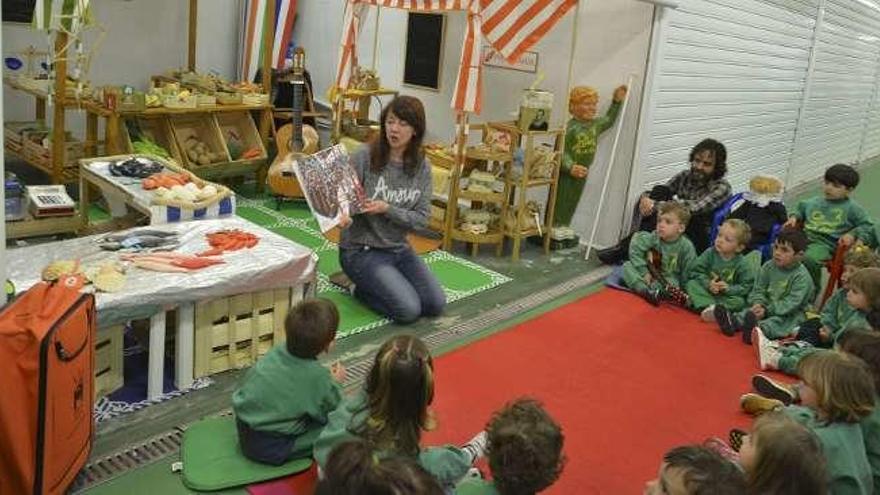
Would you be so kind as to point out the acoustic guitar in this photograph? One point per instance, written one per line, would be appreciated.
(289, 139)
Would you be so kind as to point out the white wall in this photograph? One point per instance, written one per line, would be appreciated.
(612, 43)
(142, 39)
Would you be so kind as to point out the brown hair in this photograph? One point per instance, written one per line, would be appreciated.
(742, 229)
(310, 326)
(705, 471)
(400, 387)
(675, 208)
(843, 384)
(410, 110)
(861, 256)
(525, 448)
(867, 281)
(865, 345)
(788, 458)
(354, 467)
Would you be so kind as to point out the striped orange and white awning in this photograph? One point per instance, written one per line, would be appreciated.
(510, 26)
(467, 96)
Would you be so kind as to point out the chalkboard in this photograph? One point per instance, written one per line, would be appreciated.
(424, 50)
(18, 10)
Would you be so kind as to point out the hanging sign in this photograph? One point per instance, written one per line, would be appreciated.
(527, 62)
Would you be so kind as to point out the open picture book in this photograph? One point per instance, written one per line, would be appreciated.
(330, 184)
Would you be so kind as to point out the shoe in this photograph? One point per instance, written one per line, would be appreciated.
(749, 323)
(767, 350)
(651, 295)
(611, 256)
(726, 321)
(476, 448)
(708, 314)
(774, 390)
(735, 438)
(677, 296)
(756, 405)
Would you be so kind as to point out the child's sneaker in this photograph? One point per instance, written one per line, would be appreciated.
(476, 448)
(767, 350)
(726, 320)
(708, 314)
(677, 296)
(735, 438)
(652, 295)
(774, 390)
(755, 404)
(749, 323)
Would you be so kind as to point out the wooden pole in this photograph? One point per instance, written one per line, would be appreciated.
(57, 164)
(193, 27)
(266, 114)
(461, 136)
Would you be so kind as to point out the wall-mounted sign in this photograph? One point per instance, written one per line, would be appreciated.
(527, 62)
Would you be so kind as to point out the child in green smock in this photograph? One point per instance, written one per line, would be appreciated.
(722, 275)
(832, 219)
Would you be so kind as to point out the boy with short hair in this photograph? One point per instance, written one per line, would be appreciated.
(658, 261)
(283, 401)
(783, 290)
(697, 470)
(831, 219)
(721, 274)
(524, 450)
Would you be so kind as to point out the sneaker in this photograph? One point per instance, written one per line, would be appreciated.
(611, 256)
(735, 438)
(677, 296)
(726, 321)
(476, 448)
(749, 323)
(652, 295)
(773, 389)
(708, 314)
(756, 405)
(767, 350)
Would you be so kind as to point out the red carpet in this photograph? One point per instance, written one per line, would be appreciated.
(627, 381)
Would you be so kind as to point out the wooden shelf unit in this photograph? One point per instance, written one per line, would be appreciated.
(518, 188)
(473, 159)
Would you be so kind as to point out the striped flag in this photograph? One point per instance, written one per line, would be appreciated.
(255, 13)
(513, 26)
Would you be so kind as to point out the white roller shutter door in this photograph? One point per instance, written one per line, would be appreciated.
(841, 90)
(733, 70)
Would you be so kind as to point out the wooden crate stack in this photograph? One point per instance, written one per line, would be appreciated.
(233, 332)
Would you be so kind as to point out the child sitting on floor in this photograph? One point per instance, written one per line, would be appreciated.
(283, 402)
(865, 345)
(721, 275)
(696, 470)
(782, 292)
(658, 261)
(525, 452)
(837, 392)
(392, 411)
(354, 468)
(831, 219)
(762, 209)
(782, 457)
(848, 309)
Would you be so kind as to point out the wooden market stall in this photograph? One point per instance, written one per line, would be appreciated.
(60, 162)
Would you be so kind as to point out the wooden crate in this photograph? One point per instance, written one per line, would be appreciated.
(233, 332)
(240, 131)
(158, 130)
(204, 127)
(37, 153)
(15, 132)
(108, 360)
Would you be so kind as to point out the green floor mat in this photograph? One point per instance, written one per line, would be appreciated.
(212, 459)
(460, 278)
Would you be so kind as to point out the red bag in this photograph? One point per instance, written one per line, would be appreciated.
(46, 387)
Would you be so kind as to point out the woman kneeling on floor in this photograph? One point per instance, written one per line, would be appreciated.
(387, 274)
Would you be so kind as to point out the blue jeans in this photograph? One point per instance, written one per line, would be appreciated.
(393, 282)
